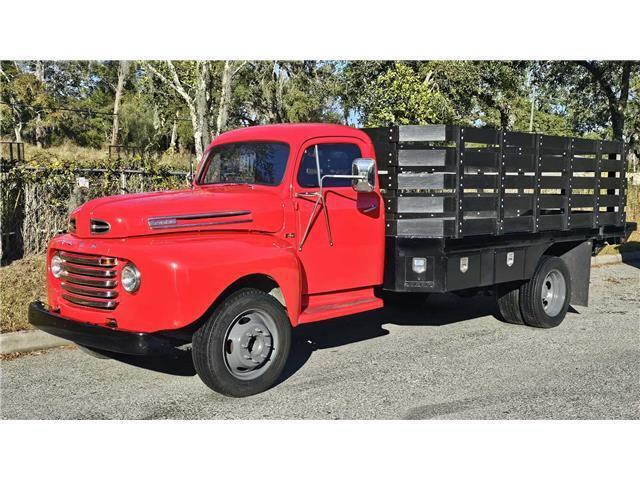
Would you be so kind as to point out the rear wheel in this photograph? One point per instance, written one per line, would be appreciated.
(544, 300)
(508, 296)
(243, 347)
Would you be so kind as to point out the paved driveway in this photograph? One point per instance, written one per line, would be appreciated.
(449, 359)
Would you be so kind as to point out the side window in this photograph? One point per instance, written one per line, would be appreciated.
(335, 159)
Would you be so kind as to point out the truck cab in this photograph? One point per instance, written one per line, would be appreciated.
(291, 224)
(286, 217)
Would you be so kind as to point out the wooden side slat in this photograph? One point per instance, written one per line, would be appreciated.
(425, 158)
(551, 201)
(580, 201)
(583, 182)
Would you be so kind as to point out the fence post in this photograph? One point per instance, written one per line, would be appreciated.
(123, 183)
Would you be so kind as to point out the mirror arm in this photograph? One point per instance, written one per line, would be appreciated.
(352, 177)
(321, 197)
(320, 200)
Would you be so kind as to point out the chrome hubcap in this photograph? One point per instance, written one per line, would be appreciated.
(554, 292)
(250, 344)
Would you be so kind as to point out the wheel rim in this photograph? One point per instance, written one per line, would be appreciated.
(554, 292)
(250, 344)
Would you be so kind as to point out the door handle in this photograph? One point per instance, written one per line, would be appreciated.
(370, 208)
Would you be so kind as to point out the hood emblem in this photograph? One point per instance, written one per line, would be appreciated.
(162, 222)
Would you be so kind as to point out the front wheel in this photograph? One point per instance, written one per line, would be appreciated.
(544, 300)
(243, 347)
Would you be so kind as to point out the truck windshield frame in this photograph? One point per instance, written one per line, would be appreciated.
(249, 162)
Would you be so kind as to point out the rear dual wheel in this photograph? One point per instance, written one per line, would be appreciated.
(541, 302)
(243, 347)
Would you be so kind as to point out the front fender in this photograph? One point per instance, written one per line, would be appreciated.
(182, 275)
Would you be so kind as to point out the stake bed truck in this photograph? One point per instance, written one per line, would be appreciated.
(299, 223)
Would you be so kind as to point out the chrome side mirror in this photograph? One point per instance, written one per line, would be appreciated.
(363, 171)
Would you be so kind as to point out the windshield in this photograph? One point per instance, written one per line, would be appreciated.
(261, 163)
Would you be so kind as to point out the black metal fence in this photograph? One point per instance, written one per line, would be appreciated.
(35, 203)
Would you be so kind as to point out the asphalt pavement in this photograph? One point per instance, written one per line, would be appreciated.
(448, 359)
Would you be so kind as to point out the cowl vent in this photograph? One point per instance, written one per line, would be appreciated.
(99, 226)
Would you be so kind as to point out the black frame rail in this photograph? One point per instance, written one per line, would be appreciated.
(450, 181)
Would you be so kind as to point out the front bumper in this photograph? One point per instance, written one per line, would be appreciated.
(101, 338)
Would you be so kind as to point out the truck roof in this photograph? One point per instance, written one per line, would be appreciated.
(289, 132)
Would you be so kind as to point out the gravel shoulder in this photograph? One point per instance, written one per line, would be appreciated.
(450, 359)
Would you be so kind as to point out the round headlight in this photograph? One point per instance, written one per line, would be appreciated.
(130, 277)
(56, 265)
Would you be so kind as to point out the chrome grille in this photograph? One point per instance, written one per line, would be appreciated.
(89, 280)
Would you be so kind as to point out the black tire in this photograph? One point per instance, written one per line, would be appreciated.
(210, 344)
(404, 299)
(508, 297)
(535, 312)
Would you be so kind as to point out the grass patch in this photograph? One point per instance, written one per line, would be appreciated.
(632, 245)
(21, 282)
(84, 156)
(633, 215)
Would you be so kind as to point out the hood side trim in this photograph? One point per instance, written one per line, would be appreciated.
(172, 221)
(201, 224)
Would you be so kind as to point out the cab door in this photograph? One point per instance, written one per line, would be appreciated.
(340, 237)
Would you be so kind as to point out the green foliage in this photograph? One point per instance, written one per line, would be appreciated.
(399, 96)
(569, 99)
(138, 121)
(462, 92)
(586, 90)
(285, 91)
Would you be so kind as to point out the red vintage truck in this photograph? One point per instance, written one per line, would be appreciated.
(291, 224)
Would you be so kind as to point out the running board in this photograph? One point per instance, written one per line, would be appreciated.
(332, 305)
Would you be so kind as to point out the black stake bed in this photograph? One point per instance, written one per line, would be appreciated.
(477, 194)
(447, 181)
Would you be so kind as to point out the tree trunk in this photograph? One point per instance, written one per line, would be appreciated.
(197, 104)
(197, 132)
(279, 96)
(225, 98)
(617, 104)
(174, 135)
(123, 71)
(506, 117)
(617, 122)
(17, 128)
(202, 107)
(39, 72)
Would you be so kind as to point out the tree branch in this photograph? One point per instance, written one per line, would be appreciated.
(174, 83)
(239, 68)
(598, 76)
(624, 87)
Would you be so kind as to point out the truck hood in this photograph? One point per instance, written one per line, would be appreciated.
(223, 207)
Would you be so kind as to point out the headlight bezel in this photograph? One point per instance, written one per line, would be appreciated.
(55, 265)
(134, 285)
